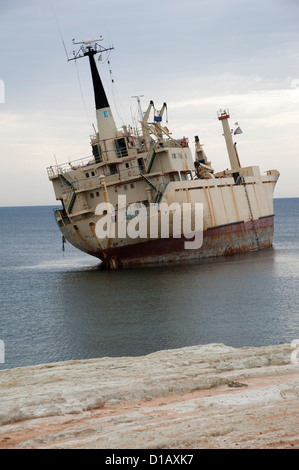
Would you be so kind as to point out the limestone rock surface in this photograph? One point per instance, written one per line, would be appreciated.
(208, 396)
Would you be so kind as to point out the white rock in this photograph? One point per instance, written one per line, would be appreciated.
(169, 397)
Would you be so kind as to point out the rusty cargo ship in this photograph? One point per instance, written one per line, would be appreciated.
(149, 166)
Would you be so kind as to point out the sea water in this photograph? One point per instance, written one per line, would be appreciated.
(59, 305)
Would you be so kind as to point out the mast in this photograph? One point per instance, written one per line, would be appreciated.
(223, 116)
(105, 121)
(139, 106)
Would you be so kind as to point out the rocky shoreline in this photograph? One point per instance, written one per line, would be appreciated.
(201, 397)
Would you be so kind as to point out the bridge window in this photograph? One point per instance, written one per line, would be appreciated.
(96, 150)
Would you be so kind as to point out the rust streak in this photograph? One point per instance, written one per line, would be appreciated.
(257, 201)
(235, 203)
(92, 229)
(223, 204)
(82, 238)
(188, 196)
(208, 204)
(211, 207)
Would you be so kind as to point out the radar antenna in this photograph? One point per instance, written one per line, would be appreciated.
(88, 47)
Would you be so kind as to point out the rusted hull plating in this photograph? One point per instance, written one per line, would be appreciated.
(223, 240)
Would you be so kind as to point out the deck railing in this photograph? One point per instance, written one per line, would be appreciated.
(56, 170)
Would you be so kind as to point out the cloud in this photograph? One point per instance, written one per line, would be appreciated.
(198, 56)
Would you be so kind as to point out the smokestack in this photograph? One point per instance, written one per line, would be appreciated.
(106, 124)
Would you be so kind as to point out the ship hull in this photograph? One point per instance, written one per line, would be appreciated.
(236, 219)
(225, 240)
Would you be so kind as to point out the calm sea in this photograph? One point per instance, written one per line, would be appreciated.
(58, 306)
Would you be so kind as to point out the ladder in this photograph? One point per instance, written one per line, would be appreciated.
(72, 201)
(65, 180)
(157, 192)
(151, 162)
(72, 195)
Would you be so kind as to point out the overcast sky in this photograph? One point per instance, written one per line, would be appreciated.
(197, 56)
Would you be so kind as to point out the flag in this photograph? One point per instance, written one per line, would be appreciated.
(238, 131)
